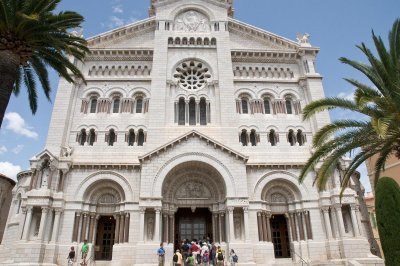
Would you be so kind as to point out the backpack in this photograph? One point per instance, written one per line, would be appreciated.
(175, 258)
(205, 259)
(185, 247)
(235, 258)
(220, 256)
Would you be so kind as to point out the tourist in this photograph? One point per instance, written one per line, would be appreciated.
(161, 255)
(206, 258)
(220, 257)
(185, 250)
(71, 257)
(213, 253)
(196, 252)
(233, 258)
(177, 258)
(190, 261)
(84, 251)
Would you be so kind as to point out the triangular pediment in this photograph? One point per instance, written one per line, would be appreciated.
(136, 35)
(45, 152)
(247, 37)
(188, 136)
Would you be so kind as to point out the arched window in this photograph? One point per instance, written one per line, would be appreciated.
(92, 137)
(203, 111)
(192, 112)
(291, 138)
(243, 137)
(170, 41)
(289, 109)
(181, 112)
(213, 41)
(82, 137)
(253, 138)
(301, 139)
(131, 137)
(93, 105)
(139, 105)
(177, 40)
(111, 137)
(272, 137)
(245, 106)
(116, 105)
(140, 137)
(267, 105)
(206, 41)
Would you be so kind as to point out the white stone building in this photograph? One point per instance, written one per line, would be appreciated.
(189, 126)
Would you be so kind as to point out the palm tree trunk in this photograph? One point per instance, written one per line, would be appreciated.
(9, 64)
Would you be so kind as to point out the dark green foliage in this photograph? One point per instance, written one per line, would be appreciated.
(379, 133)
(387, 205)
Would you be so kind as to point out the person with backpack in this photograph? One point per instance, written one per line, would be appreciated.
(185, 250)
(177, 258)
(233, 258)
(220, 257)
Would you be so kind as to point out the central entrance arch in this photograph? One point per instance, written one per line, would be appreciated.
(196, 194)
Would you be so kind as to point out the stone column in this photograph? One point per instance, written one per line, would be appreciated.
(172, 228)
(328, 227)
(186, 112)
(91, 228)
(75, 230)
(339, 217)
(360, 225)
(84, 225)
(264, 227)
(220, 226)
(299, 225)
(126, 230)
(269, 233)
(289, 227)
(303, 215)
(116, 217)
(56, 225)
(157, 226)
(246, 224)
(28, 220)
(231, 225)
(141, 224)
(96, 220)
(43, 221)
(165, 228)
(214, 227)
(121, 228)
(260, 228)
(296, 227)
(354, 221)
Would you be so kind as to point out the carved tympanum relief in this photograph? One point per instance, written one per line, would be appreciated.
(192, 21)
(193, 190)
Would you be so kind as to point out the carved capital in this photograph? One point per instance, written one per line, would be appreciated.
(245, 209)
(354, 207)
(325, 209)
(58, 211)
(230, 209)
(142, 210)
(259, 214)
(45, 209)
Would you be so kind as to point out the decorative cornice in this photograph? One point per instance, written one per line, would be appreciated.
(270, 56)
(188, 135)
(105, 166)
(276, 166)
(99, 54)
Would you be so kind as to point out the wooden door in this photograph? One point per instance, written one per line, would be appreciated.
(280, 236)
(105, 238)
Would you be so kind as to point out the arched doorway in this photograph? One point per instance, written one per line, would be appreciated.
(280, 197)
(103, 223)
(194, 196)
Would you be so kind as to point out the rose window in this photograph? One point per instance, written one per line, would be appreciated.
(192, 75)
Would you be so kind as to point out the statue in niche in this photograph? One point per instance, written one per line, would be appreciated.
(150, 228)
(45, 178)
(237, 228)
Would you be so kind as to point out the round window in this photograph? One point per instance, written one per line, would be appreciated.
(192, 75)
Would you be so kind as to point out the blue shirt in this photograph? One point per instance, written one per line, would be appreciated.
(161, 252)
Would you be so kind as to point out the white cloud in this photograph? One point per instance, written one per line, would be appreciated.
(118, 22)
(10, 170)
(17, 124)
(117, 9)
(349, 95)
(18, 149)
(3, 149)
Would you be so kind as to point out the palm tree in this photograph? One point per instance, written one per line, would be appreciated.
(379, 133)
(33, 37)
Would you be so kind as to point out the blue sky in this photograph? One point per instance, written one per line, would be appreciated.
(335, 26)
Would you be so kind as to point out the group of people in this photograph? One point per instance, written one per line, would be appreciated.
(84, 252)
(198, 253)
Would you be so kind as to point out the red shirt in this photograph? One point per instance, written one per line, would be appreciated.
(195, 248)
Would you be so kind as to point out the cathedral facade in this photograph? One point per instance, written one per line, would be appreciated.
(189, 126)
